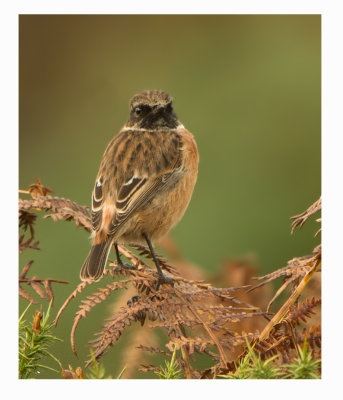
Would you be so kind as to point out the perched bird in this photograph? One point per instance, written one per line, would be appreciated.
(144, 184)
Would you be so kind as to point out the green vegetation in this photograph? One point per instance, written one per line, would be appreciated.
(97, 371)
(252, 367)
(172, 369)
(34, 342)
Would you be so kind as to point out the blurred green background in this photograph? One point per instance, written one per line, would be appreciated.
(247, 86)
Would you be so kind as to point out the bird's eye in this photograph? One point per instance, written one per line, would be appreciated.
(138, 111)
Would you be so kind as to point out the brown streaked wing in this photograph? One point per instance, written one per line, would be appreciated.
(162, 153)
(144, 162)
(139, 198)
(128, 190)
(97, 200)
(105, 173)
(96, 219)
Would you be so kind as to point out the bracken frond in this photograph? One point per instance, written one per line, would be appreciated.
(27, 244)
(91, 301)
(60, 208)
(195, 316)
(78, 289)
(27, 220)
(167, 310)
(42, 287)
(148, 368)
(154, 350)
(313, 336)
(300, 219)
(303, 310)
(297, 268)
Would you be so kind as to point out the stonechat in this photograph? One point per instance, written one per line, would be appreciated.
(144, 184)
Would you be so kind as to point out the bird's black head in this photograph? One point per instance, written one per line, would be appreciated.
(152, 110)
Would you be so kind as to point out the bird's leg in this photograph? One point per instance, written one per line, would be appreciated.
(161, 277)
(119, 260)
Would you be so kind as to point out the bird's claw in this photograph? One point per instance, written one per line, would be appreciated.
(124, 266)
(163, 279)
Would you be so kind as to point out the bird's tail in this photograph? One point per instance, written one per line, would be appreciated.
(94, 265)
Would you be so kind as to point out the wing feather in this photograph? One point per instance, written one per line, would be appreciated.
(135, 166)
(137, 200)
(97, 201)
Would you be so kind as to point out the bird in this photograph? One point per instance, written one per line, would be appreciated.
(144, 184)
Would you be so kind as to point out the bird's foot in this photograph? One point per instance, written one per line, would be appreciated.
(162, 279)
(124, 266)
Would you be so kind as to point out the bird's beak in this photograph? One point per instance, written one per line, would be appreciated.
(159, 108)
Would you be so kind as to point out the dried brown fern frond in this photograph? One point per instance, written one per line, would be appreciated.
(303, 268)
(282, 312)
(192, 343)
(80, 287)
(282, 341)
(90, 302)
(279, 342)
(145, 278)
(60, 208)
(300, 219)
(296, 268)
(170, 310)
(188, 304)
(154, 350)
(27, 220)
(115, 326)
(195, 316)
(149, 368)
(27, 244)
(301, 311)
(42, 287)
(313, 336)
(193, 304)
(280, 336)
